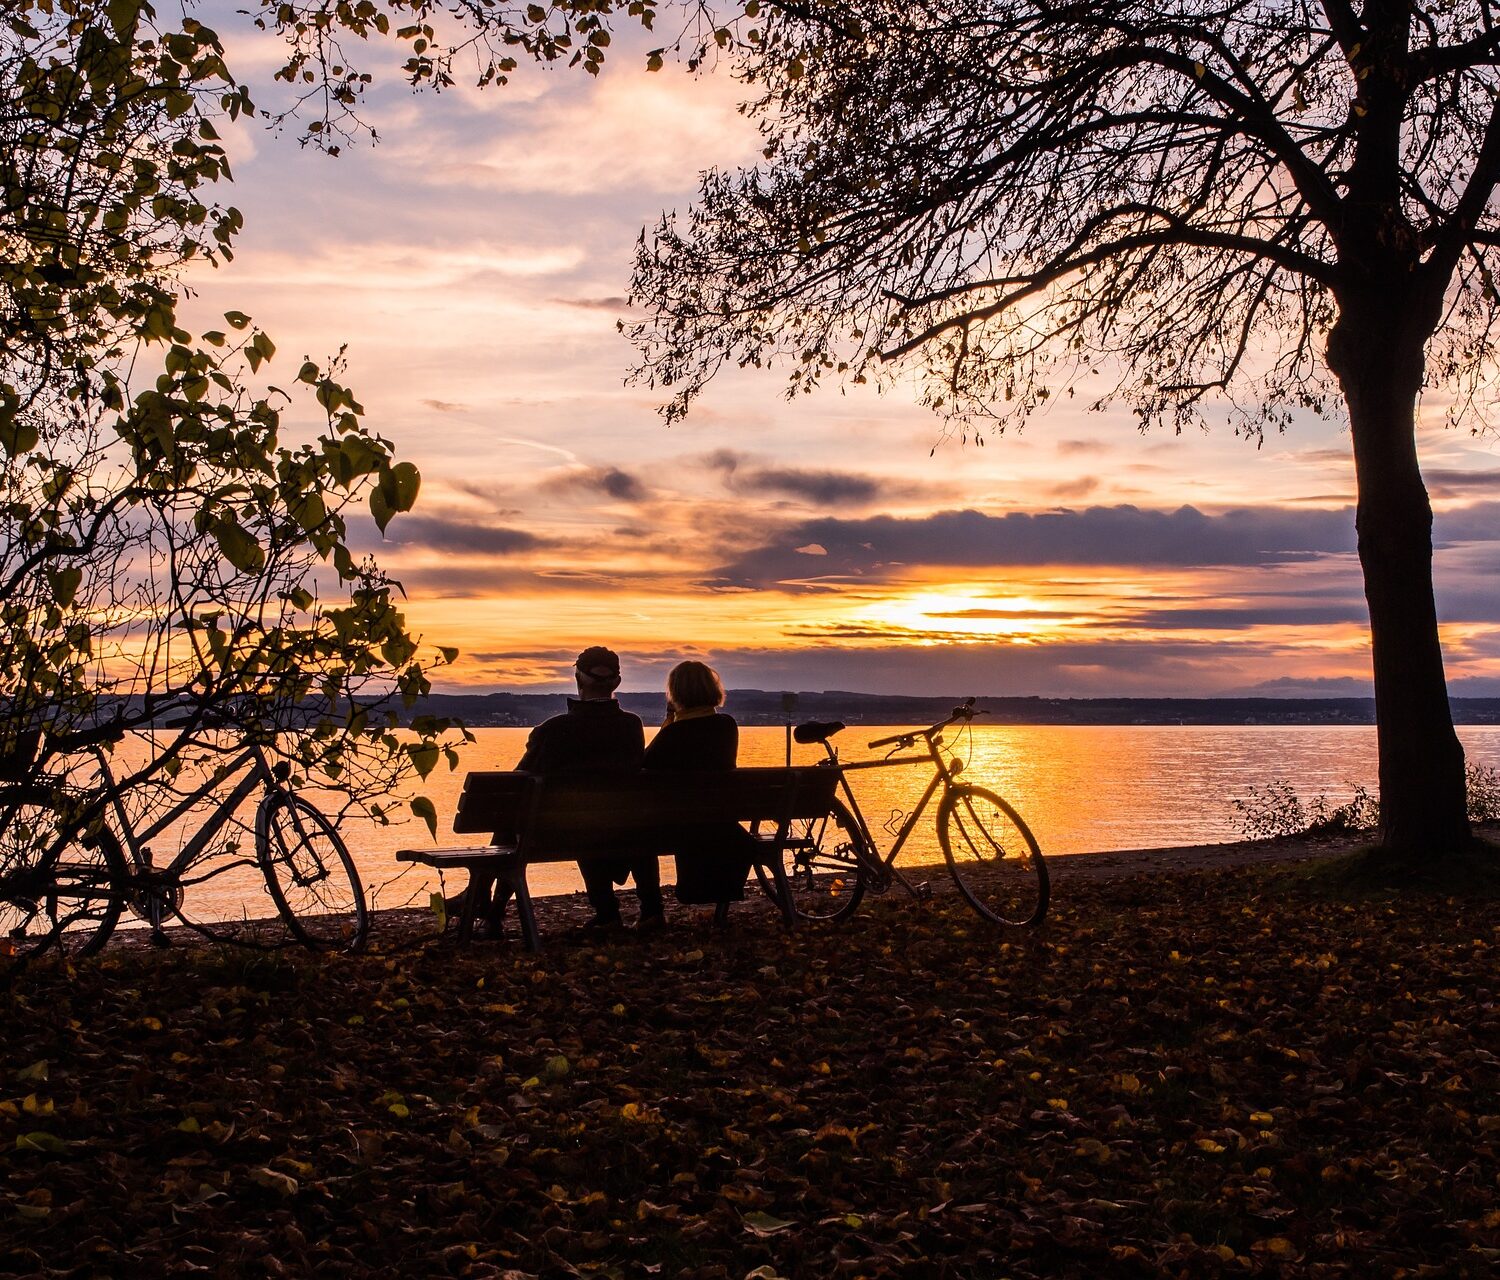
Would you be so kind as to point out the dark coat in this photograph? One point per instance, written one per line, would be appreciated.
(715, 858)
(597, 734)
(704, 742)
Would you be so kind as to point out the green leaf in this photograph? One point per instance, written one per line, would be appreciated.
(380, 508)
(17, 435)
(407, 481)
(424, 755)
(423, 808)
(65, 584)
(123, 15)
(237, 319)
(239, 547)
(40, 1141)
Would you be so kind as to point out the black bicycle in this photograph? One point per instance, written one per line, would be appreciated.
(72, 861)
(833, 860)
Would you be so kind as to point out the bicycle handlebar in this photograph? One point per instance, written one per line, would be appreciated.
(965, 712)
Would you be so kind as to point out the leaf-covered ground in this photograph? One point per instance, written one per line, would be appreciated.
(1209, 1074)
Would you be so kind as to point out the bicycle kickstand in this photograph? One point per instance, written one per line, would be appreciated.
(921, 892)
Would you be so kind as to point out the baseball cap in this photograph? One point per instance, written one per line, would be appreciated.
(599, 663)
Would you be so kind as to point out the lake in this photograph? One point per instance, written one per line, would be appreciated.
(1081, 788)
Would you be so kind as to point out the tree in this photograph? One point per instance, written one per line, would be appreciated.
(169, 542)
(173, 541)
(1274, 205)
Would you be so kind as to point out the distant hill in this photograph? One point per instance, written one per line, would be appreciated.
(760, 707)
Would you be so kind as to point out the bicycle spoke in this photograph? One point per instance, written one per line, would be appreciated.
(822, 865)
(310, 875)
(993, 857)
(55, 891)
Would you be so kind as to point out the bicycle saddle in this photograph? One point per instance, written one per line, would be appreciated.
(817, 730)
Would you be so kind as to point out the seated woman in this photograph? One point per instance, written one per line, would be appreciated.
(696, 735)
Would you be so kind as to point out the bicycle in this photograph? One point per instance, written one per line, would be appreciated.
(67, 874)
(832, 861)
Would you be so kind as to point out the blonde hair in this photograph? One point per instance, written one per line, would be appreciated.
(694, 684)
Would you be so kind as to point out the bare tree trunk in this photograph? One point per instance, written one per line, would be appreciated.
(1423, 809)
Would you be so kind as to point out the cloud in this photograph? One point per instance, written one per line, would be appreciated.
(1073, 448)
(822, 488)
(1477, 522)
(1222, 619)
(523, 655)
(446, 406)
(614, 482)
(627, 133)
(1460, 484)
(873, 548)
(452, 534)
(339, 265)
(1146, 668)
(1070, 489)
(615, 302)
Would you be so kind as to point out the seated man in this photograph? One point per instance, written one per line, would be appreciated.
(597, 733)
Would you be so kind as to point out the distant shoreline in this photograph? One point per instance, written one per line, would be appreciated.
(505, 709)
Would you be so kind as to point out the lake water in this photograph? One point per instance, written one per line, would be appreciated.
(1082, 789)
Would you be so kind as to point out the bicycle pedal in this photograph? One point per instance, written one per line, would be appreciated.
(924, 892)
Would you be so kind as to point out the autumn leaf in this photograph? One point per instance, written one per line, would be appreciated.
(765, 1224)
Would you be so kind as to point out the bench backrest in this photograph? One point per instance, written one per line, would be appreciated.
(579, 812)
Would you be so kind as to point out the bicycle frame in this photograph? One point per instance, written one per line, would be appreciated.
(882, 867)
(137, 843)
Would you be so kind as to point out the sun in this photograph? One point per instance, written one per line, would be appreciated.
(958, 615)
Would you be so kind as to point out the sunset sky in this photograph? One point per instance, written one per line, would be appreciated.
(475, 261)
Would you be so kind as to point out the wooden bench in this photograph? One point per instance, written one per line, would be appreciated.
(564, 818)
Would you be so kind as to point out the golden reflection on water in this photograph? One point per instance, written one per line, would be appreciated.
(1081, 788)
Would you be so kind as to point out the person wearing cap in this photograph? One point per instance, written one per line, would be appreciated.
(597, 733)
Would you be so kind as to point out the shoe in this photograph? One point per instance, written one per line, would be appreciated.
(651, 924)
(600, 927)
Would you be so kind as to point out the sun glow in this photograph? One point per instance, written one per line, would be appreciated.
(958, 615)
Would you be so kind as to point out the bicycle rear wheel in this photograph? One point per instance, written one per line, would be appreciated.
(311, 876)
(993, 857)
(56, 889)
(823, 866)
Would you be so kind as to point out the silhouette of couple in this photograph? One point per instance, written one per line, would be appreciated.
(597, 733)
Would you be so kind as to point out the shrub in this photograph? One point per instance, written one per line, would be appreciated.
(1277, 810)
(1484, 793)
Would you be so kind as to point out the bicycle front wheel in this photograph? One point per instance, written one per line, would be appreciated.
(823, 866)
(993, 857)
(311, 876)
(56, 889)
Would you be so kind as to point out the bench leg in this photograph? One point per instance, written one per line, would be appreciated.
(529, 935)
